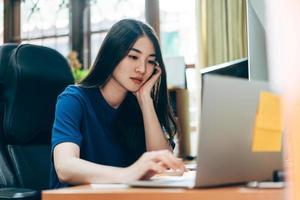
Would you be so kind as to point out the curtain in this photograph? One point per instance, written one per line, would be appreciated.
(222, 31)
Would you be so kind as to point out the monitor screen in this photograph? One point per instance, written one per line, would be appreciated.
(236, 68)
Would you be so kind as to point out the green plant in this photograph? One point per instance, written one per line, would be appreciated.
(78, 71)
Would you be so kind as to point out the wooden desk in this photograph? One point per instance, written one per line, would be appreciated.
(86, 192)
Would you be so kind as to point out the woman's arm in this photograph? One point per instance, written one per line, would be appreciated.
(155, 138)
(71, 169)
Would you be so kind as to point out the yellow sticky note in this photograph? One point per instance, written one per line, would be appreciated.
(267, 141)
(269, 112)
(267, 132)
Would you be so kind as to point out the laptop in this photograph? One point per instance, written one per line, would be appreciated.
(225, 153)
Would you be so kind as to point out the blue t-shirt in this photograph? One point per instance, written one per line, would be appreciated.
(83, 117)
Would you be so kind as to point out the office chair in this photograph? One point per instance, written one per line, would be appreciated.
(31, 78)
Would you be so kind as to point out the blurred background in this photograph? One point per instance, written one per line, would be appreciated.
(215, 29)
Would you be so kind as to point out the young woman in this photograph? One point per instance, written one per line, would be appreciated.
(116, 125)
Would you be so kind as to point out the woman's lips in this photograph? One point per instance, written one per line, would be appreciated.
(136, 80)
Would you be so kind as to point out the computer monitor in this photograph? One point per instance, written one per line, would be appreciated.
(257, 47)
(236, 68)
(257, 51)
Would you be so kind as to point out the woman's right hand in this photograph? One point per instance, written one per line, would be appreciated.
(151, 163)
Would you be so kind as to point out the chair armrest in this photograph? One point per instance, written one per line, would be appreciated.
(19, 193)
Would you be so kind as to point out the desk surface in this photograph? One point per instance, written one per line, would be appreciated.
(86, 192)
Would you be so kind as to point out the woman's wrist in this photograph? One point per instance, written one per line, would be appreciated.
(121, 176)
(146, 103)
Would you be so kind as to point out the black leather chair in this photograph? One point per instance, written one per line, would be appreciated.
(31, 78)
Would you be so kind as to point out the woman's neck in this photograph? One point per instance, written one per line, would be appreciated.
(113, 93)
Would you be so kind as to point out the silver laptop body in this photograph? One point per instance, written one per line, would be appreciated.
(225, 142)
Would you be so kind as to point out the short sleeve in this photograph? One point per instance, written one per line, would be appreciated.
(68, 115)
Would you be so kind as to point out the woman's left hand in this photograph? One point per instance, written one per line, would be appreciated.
(144, 93)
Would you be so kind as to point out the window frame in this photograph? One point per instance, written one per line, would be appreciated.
(80, 30)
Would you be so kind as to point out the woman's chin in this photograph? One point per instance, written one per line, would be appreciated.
(133, 89)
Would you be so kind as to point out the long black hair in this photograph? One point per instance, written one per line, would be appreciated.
(116, 45)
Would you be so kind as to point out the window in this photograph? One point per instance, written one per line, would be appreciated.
(1, 22)
(178, 29)
(46, 23)
(104, 13)
(178, 38)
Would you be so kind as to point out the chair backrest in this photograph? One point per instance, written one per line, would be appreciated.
(7, 178)
(31, 82)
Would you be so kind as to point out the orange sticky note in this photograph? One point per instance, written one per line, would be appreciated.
(267, 132)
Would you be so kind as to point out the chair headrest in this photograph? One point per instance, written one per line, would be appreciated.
(34, 77)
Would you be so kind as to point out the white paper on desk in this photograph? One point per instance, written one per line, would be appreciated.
(108, 186)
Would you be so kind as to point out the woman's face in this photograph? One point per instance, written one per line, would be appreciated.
(137, 66)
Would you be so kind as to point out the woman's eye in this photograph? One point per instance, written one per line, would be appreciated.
(133, 57)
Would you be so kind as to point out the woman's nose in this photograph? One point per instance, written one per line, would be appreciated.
(141, 68)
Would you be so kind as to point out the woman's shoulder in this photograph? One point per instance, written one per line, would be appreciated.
(78, 92)
(70, 90)
(73, 91)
